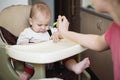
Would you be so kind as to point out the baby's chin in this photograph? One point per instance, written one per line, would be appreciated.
(41, 31)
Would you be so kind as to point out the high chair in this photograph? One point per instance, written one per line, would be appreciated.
(12, 21)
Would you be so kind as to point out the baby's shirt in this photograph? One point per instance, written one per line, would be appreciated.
(29, 35)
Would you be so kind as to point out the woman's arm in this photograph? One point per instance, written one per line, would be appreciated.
(91, 41)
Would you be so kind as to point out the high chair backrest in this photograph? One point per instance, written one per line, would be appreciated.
(15, 18)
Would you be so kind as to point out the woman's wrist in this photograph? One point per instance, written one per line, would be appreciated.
(64, 33)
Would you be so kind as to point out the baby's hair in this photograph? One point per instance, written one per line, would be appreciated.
(42, 7)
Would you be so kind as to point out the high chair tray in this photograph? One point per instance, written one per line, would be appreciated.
(45, 52)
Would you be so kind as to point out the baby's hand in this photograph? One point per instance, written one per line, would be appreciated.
(55, 37)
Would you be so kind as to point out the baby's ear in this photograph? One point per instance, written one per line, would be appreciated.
(30, 21)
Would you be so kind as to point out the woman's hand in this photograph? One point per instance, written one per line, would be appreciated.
(62, 24)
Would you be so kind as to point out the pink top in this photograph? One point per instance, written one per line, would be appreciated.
(112, 37)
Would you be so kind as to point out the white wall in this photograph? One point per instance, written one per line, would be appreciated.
(6, 3)
(85, 3)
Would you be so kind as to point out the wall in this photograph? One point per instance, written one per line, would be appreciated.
(86, 3)
(6, 3)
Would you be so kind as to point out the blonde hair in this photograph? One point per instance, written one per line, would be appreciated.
(41, 7)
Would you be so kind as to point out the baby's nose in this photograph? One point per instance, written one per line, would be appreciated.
(43, 27)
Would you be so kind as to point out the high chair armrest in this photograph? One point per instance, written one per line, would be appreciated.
(6, 67)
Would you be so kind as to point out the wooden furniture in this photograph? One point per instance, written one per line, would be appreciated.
(70, 9)
(101, 63)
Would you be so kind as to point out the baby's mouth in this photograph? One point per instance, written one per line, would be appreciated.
(42, 31)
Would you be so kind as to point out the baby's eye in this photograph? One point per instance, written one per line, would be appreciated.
(46, 24)
(39, 24)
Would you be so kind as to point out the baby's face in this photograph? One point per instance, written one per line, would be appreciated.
(39, 23)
